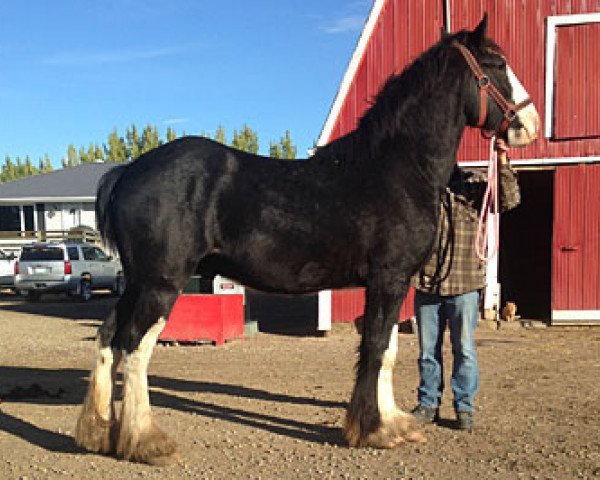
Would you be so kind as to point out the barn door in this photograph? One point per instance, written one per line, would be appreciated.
(576, 245)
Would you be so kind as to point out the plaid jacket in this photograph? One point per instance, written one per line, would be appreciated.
(453, 267)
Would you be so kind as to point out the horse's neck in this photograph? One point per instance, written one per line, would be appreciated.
(427, 155)
(419, 142)
(434, 157)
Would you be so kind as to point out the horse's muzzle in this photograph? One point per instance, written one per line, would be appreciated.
(528, 129)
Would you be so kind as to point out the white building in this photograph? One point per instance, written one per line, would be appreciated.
(54, 202)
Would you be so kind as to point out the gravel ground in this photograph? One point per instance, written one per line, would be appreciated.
(272, 406)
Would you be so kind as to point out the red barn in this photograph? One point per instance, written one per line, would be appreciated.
(549, 261)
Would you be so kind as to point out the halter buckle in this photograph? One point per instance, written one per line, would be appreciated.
(483, 81)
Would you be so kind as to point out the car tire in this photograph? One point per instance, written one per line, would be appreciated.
(119, 286)
(85, 289)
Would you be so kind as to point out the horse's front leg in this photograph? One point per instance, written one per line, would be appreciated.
(372, 418)
(96, 426)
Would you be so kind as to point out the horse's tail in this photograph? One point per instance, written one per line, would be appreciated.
(104, 198)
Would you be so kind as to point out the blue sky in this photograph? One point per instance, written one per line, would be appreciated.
(72, 70)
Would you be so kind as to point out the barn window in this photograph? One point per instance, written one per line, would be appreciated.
(572, 76)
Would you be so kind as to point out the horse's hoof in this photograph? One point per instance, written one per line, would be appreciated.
(390, 434)
(94, 433)
(152, 446)
(394, 432)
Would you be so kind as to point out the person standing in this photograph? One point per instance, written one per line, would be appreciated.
(448, 290)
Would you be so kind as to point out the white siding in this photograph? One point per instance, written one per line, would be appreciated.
(63, 216)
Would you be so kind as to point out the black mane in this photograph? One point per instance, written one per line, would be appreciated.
(398, 106)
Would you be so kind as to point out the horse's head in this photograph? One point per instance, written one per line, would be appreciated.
(496, 100)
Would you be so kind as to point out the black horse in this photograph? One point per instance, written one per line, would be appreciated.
(361, 211)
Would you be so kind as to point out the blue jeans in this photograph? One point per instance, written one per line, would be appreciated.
(460, 312)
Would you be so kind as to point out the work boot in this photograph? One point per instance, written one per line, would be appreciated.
(425, 414)
(465, 420)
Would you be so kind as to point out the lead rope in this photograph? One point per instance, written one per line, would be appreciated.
(490, 197)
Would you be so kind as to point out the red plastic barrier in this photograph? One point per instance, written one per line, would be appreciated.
(215, 318)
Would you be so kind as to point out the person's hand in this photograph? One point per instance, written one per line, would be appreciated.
(502, 150)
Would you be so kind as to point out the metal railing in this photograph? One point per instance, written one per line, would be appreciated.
(13, 241)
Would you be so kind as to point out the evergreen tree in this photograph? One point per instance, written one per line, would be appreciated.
(289, 149)
(117, 149)
(72, 158)
(220, 135)
(47, 164)
(28, 168)
(246, 140)
(284, 149)
(4, 174)
(275, 150)
(150, 139)
(19, 168)
(83, 156)
(12, 171)
(97, 154)
(133, 143)
(91, 154)
(171, 134)
(8, 170)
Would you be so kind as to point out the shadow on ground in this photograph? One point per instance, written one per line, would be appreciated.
(68, 387)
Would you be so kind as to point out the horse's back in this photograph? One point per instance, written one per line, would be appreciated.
(292, 225)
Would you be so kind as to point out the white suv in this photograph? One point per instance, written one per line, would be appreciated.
(7, 270)
(74, 268)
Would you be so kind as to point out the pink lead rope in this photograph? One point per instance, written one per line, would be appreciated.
(489, 198)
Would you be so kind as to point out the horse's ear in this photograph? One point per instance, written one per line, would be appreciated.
(478, 35)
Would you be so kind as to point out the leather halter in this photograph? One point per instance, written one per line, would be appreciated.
(487, 87)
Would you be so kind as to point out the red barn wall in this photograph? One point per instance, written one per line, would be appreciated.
(405, 28)
(576, 241)
(519, 26)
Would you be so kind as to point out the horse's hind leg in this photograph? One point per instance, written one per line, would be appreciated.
(96, 426)
(139, 438)
(372, 418)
